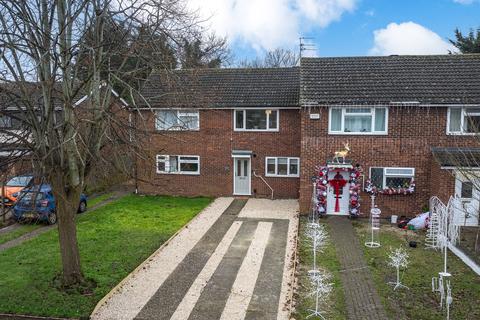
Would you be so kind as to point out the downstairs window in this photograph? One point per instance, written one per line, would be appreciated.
(391, 177)
(178, 164)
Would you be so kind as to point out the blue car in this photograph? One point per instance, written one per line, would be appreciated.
(38, 203)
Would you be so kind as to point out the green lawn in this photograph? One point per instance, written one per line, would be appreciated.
(327, 260)
(96, 200)
(113, 240)
(20, 231)
(419, 302)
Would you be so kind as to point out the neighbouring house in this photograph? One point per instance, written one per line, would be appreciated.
(263, 132)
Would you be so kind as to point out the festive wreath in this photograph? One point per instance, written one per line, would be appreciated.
(372, 189)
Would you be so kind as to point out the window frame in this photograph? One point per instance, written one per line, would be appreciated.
(385, 175)
(342, 124)
(244, 129)
(10, 123)
(179, 113)
(462, 121)
(288, 175)
(167, 158)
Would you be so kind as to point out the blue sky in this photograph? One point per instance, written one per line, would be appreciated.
(341, 27)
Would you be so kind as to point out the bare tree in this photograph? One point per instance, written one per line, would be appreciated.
(277, 58)
(60, 88)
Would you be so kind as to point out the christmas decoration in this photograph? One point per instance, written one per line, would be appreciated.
(409, 189)
(318, 236)
(321, 183)
(323, 286)
(374, 226)
(398, 258)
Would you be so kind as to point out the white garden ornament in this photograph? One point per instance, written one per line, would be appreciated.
(448, 234)
(398, 258)
(374, 226)
(322, 289)
(318, 237)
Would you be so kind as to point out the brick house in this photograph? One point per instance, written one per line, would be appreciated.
(262, 132)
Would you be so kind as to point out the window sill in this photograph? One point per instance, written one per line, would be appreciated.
(256, 130)
(179, 173)
(358, 133)
(468, 134)
(280, 176)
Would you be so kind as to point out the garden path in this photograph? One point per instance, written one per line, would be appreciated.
(361, 297)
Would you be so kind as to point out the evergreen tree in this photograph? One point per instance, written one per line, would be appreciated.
(469, 43)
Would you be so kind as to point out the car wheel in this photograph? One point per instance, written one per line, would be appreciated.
(52, 218)
(82, 207)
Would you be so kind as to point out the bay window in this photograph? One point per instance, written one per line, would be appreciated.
(364, 120)
(282, 167)
(463, 120)
(180, 120)
(178, 164)
(256, 120)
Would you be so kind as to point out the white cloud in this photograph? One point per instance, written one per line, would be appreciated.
(408, 38)
(268, 24)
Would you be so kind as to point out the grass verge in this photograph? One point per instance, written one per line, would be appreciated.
(113, 240)
(96, 200)
(20, 231)
(327, 260)
(419, 302)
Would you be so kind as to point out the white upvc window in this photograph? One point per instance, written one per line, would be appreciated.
(177, 120)
(5, 122)
(463, 120)
(358, 120)
(256, 119)
(282, 167)
(178, 164)
(391, 177)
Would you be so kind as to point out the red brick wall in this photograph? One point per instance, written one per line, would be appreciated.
(214, 144)
(412, 131)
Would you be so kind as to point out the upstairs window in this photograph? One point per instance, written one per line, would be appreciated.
(463, 121)
(282, 167)
(5, 122)
(256, 120)
(178, 164)
(391, 177)
(177, 120)
(358, 120)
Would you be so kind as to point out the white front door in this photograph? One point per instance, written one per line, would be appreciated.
(241, 176)
(343, 196)
(466, 191)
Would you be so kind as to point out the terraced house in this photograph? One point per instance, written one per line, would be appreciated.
(263, 132)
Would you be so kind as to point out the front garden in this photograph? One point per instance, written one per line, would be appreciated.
(417, 302)
(113, 240)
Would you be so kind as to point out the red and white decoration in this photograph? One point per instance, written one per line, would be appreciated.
(338, 182)
(370, 188)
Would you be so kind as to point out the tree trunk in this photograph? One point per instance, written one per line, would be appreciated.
(67, 235)
(67, 206)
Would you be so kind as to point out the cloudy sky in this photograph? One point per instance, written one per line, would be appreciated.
(340, 27)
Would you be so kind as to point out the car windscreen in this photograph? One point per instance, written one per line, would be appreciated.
(27, 197)
(22, 181)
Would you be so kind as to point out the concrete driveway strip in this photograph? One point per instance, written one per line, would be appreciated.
(126, 300)
(239, 266)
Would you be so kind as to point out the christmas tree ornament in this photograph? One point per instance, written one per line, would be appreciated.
(398, 258)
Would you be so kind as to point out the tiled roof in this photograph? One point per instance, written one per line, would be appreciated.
(224, 88)
(433, 79)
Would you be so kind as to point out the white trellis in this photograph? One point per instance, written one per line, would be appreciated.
(436, 211)
(322, 289)
(398, 258)
(448, 234)
(374, 226)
